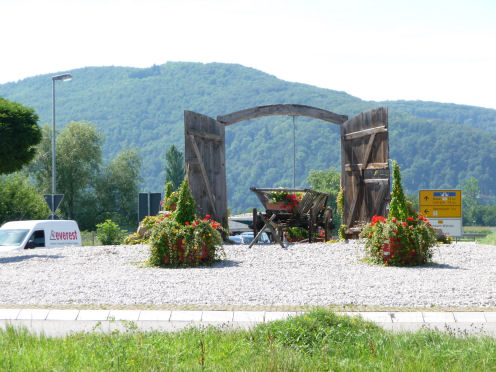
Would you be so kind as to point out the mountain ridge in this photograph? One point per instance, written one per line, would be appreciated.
(143, 108)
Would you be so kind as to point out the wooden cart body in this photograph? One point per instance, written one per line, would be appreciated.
(310, 213)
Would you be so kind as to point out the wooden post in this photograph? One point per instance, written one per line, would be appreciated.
(255, 220)
(310, 225)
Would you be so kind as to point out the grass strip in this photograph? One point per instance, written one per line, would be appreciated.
(489, 239)
(317, 341)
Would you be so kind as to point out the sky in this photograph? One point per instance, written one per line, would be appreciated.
(430, 50)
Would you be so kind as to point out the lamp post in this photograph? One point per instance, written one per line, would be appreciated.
(63, 77)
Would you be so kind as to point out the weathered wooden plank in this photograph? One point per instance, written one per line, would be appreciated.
(356, 196)
(364, 133)
(360, 166)
(203, 172)
(204, 135)
(281, 109)
(366, 156)
(379, 201)
(376, 180)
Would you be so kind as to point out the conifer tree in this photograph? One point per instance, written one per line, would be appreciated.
(398, 207)
(185, 211)
(169, 188)
(174, 167)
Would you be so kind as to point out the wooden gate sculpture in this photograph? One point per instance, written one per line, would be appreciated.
(205, 158)
(365, 168)
(364, 159)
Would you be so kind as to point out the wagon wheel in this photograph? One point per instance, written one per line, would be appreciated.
(328, 223)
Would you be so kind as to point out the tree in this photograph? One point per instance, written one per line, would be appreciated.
(19, 199)
(398, 207)
(174, 167)
(325, 181)
(328, 182)
(185, 212)
(78, 160)
(117, 189)
(40, 169)
(470, 201)
(79, 156)
(19, 135)
(92, 193)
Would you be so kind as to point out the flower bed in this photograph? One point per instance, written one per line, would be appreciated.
(283, 200)
(192, 244)
(180, 238)
(405, 238)
(399, 243)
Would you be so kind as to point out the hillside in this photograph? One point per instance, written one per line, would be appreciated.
(437, 145)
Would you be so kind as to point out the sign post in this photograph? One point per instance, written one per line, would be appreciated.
(443, 208)
(53, 201)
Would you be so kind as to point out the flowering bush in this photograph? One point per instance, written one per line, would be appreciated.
(180, 238)
(190, 244)
(170, 202)
(399, 243)
(404, 238)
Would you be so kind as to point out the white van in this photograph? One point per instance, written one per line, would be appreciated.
(39, 233)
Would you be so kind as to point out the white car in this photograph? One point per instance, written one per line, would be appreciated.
(18, 235)
(248, 237)
(236, 239)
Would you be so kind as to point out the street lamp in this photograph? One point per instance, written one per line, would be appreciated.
(63, 77)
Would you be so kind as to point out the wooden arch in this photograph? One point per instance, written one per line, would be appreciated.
(364, 158)
(290, 110)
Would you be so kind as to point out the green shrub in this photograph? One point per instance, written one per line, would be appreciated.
(185, 211)
(169, 189)
(189, 244)
(295, 234)
(109, 233)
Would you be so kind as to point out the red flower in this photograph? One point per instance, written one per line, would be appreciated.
(376, 219)
(161, 202)
(394, 220)
(410, 219)
(405, 224)
(208, 216)
(186, 223)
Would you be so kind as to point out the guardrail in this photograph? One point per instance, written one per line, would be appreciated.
(474, 236)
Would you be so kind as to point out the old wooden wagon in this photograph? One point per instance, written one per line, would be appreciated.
(308, 210)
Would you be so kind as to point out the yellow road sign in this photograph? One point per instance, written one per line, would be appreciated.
(440, 197)
(450, 211)
(441, 203)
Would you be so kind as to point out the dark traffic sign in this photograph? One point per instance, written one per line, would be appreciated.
(53, 201)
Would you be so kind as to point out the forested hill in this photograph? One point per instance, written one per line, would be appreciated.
(437, 145)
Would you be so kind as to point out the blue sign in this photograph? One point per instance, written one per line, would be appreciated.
(445, 194)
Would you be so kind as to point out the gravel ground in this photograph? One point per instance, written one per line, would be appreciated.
(463, 275)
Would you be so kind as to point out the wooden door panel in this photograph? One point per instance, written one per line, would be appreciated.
(204, 144)
(365, 166)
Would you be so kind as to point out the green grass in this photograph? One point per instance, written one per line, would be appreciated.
(489, 239)
(479, 229)
(317, 341)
